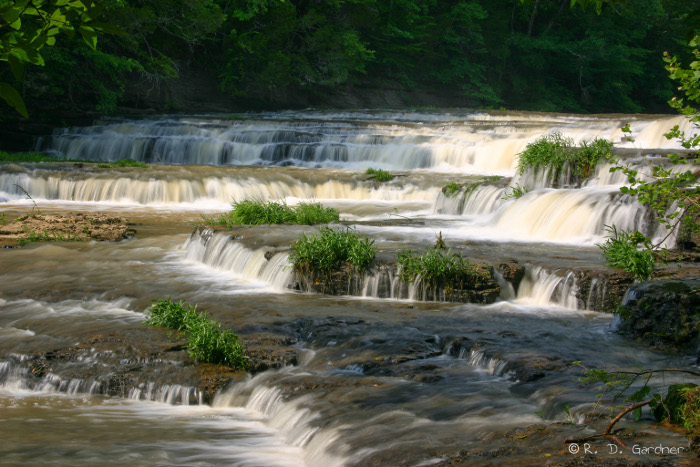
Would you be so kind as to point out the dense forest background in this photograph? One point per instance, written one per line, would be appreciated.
(544, 55)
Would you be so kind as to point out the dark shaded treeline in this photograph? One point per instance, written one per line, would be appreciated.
(531, 55)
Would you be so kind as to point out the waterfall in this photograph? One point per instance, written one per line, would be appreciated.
(217, 251)
(172, 394)
(541, 287)
(482, 199)
(300, 426)
(572, 216)
(473, 142)
(165, 186)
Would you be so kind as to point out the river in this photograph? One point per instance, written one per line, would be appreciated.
(379, 377)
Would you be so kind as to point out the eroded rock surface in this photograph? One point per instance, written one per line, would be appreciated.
(64, 227)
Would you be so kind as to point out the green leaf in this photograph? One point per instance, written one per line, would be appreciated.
(11, 14)
(93, 12)
(637, 413)
(12, 97)
(16, 66)
(107, 28)
(89, 36)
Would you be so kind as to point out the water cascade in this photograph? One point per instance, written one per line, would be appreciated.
(541, 287)
(472, 142)
(201, 185)
(390, 374)
(217, 251)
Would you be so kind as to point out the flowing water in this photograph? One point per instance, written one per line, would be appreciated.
(382, 377)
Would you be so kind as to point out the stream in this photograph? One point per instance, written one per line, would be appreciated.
(378, 377)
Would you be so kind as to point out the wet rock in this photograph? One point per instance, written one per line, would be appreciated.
(664, 314)
(343, 281)
(267, 351)
(482, 288)
(511, 272)
(528, 368)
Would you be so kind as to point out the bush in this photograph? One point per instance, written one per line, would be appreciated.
(435, 267)
(255, 212)
(555, 151)
(206, 341)
(330, 250)
(621, 251)
(380, 175)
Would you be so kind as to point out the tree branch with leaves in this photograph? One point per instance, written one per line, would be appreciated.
(27, 26)
(676, 403)
(670, 188)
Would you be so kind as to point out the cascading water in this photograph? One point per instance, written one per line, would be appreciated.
(448, 142)
(219, 252)
(379, 379)
(167, 186)
(541, 287)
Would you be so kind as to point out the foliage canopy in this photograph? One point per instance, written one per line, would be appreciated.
(599, 56)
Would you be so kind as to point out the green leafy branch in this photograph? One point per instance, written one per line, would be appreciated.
(664, 403)
(26, 26)
(672, 194)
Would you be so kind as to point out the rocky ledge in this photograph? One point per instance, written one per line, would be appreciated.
(63, 227)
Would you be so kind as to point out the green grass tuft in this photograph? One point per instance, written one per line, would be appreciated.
(252, 212)
(315, 213)
(436, 267)
(380, 175)
(206, 341)
(330, 250)
(122, 163)
(621, 251)
(555, 151)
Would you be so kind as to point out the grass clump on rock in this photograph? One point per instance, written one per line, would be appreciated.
(122, 163)
(442, 275)
(254, 212)
(206, 341)
(331, 249)
(436, 267)
(557, 152)
(621, 250)
(380, 175)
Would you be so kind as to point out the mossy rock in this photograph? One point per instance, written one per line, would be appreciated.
(663, 314)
